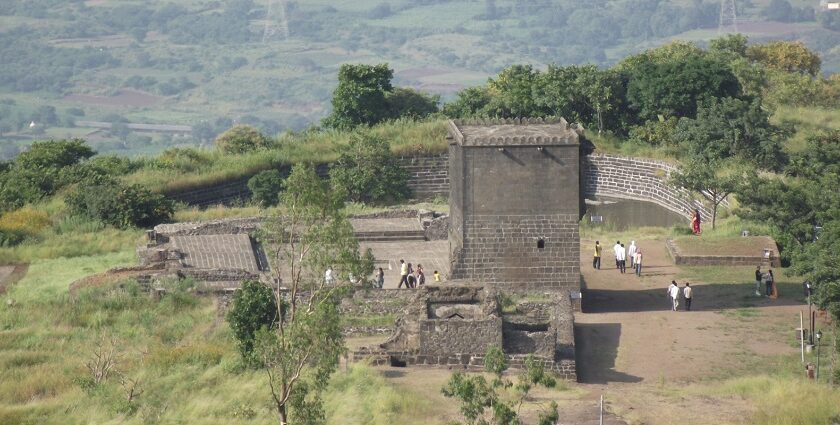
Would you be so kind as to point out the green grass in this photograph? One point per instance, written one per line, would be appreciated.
(211, 166)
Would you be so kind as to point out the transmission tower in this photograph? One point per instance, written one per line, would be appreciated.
(728, 17)
(276, 20)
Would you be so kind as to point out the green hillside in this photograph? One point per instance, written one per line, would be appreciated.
(204, 63)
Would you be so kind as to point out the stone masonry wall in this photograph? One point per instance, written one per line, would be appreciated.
(637, 178)
(443, 337)
(504, 250)
(428, 178)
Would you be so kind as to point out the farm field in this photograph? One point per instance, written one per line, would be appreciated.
(146, 64)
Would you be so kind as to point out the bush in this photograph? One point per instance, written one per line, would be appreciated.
(241, 139)
(265, 187)
(254, 307)
(368, 172)
(25, 221)
(119, 205)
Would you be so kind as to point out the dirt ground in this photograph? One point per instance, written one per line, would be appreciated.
(635, 351)
(10, 274)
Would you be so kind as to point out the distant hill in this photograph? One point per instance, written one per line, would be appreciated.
(209, 64)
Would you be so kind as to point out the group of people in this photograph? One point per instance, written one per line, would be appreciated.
(622, 254)
(410, 276)
(674, 294)
(768, 280)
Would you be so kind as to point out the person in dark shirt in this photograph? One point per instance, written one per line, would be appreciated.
(758, 277)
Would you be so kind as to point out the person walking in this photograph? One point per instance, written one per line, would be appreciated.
(421, 277)
(695, 222)
(380, 278)
(412, 281)
(329, 279)
(758, 278)
(596, 260)
(638, 261)
(437, 276)
(622, 259)
(687, 294)
(616, 250)
(768, 281)
(403, 274)
(631, 253)
(674, 293)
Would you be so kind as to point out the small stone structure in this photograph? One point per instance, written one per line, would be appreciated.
(515, 204)
(455, 325)
(772, 260)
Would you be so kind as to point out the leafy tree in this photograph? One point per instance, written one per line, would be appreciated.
(360, 97)
(733, 127)
(733, 45)
(582, 94)
(119, 205)
(470, 102)
(655, 132)
(674, 88)
(241, 139)
(778, 10)
(302, 351)
(367, 171)
(712, 178)
(265, 187)
(511, 93)
(54, 154)
(409, 103)
(477, 396)
(788, 56)
(254, 307)
(829, 19)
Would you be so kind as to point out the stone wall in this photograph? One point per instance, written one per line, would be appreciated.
(639, 179)
(428, 178)
(505, 250)
(723, 260)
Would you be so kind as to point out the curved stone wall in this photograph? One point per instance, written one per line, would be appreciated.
(637, 178)
(602, 175)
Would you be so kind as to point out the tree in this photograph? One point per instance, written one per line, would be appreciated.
(511, 93)
(779, 11)
(359, 98)
(368, 172)
(787, 56)
(409, 103)
(241, 139)
(119, 205)
(254, 308)
(733, 127)
(302, 350)
(581, 94)
(674, 88)
(265, 187)
(711, 178)
(476, 395)
(734, 45)
(470, 102)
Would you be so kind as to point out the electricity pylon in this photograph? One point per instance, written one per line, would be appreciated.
(728, 17)
(276, 20)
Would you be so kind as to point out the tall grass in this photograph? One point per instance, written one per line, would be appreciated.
(784, 401)
(362, 396)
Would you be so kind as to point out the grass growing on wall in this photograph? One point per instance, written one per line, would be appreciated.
(211, 166)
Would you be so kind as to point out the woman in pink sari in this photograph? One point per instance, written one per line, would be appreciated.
(695, 222)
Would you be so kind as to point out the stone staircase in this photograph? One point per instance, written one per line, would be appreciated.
(391, 236)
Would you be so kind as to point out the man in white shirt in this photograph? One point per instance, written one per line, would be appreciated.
(631, 252)
(674, 293)
(687, 295)
(403, 274)
(328, 276)
(622, 259)
(617, 251)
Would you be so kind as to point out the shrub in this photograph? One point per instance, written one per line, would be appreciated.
(265, 187)
(368, 172)
(119, 205)
(25, 221)
(254, 307)
(240, 139)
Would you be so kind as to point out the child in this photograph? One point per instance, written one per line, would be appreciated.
(437, 276)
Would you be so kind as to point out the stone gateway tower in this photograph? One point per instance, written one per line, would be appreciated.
(515, 204)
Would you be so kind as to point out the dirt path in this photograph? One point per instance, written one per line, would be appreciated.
(9, 275)
(630, 345)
